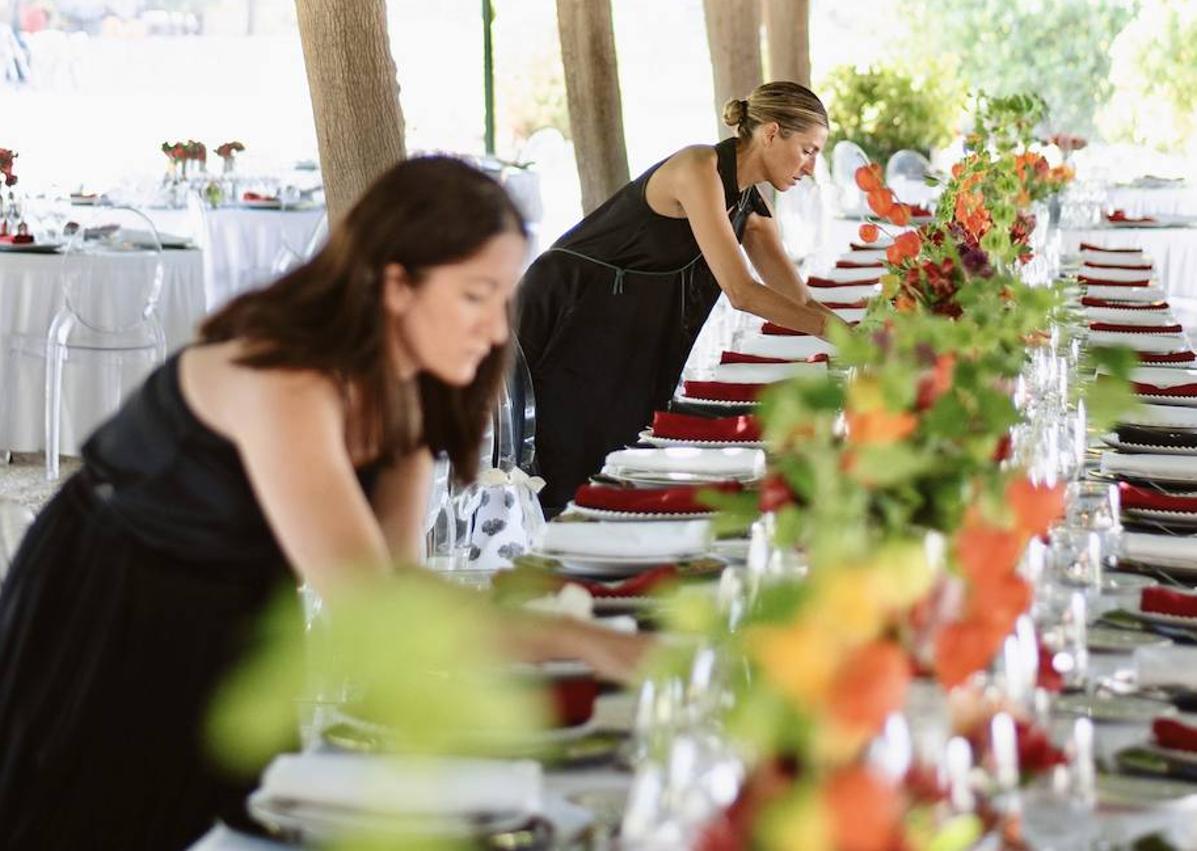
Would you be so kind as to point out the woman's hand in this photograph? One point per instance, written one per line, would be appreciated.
(614, 655)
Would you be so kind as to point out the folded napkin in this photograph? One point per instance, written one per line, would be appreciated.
(1150, 466)
(1147, 499)
(1162, 416)
(1110, 279)
(847, 296)
(772, 344)
(663, 539)
(1119, 316)
(1162, 381)
(17, 239)
(1150, 343)
(732, 463)
(817, 283)
(1145, 307)
(254, 196)
(1174, 735)
(1121, 216)
(741, 357)
(1122, 292)
(1088, 246)
(1186, 357)
(1134, 328)
(686, 427)
(852, 313)
(1159, 550)
(853, 264)
(404, 786)
(867, 274)
(1105, 275)
(1139, 263)
(719, 391)
(883, 242)
(1166, 665)
(761, 373)
(1168, 601)
(683, 499)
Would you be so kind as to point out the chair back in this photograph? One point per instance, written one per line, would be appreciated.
(846, 158)
(316, 239)
(906, 173)
(112, 270)
(514, 420)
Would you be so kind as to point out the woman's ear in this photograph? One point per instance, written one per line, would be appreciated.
(396, 289)
(769, 131)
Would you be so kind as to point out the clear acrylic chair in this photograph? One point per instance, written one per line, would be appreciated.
(14, 520)
(111, 279)
(846, 158)
(316, 239)
(906, 173)
(514, 419)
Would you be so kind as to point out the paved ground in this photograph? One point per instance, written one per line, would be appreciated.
(24, 480)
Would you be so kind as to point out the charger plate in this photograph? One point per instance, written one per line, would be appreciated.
(648, 437)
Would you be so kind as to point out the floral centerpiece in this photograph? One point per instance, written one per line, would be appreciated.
(179, 154)
(6, 166)
(227, 152)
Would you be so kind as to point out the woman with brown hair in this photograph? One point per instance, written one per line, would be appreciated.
(608, 315)
(295, 436)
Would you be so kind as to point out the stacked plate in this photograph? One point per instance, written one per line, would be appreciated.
(619, 549)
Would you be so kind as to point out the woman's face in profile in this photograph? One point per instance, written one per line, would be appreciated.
(452, 319)
(790, 158)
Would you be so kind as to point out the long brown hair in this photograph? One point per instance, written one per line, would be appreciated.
(328, 314)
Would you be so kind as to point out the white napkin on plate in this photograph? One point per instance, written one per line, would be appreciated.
(733, 462)
(1159, 550)
(869, 255)
(1169, 665)
(778, 346)
(850, 314)
(1163, 316)
(1161, 344)
(664, 539)
(1117, 274)
(1162, 376)
(406, 785)
(1161, 416)
(760, 373)
(851, 276)
(845, 295)
(1115, 258)
(1148, 466)
(1117, 293)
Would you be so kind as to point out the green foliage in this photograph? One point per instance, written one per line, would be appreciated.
(885, 110)
(1059, 48)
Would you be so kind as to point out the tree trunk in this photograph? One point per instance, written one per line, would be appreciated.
(787, 30)
(734, 37)
(355, 96)
(592, 93)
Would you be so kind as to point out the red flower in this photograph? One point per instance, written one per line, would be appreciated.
(905, 247)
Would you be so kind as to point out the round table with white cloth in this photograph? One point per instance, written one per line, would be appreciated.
(1138, 201)
(30, 295)
(241, 244)
(1174, 250)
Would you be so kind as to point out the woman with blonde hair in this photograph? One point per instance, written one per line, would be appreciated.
(607, 316)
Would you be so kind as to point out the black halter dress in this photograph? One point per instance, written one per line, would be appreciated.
(132, 595)
(606, 320)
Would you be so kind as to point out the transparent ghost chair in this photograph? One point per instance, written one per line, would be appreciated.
(316, 239)
(111, 280)
(906, 173)
(846, 158)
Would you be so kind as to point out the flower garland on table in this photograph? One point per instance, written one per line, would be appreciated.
(868, 470)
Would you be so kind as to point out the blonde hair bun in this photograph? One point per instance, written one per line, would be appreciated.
(735, 112)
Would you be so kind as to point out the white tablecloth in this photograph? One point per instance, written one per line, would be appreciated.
(241, 245)
(1173, 249)
(30, 295)
(1166, 200)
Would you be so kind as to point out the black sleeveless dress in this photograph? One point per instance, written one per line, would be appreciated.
(606, 319)
(131, 596)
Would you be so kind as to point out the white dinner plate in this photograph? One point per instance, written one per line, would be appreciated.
(1136, 609)
(656, 479)
(1166, 518)
(1105, 639)
(1114, 708)
(31, 248)
(648, 437)
(1185, 401)
(613, 566)
(610, 514)
(264, 204)
(726, 403)
(1113, 440)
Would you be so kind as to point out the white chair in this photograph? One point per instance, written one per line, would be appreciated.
(316, 238)
(14, 520)
(906, 173)
(846, 158)
(111, 279)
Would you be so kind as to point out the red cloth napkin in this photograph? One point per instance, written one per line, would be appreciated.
(724, 391)
(688, 427)
(1132, 496)
(1089, 279)
(1172, 357)
(1173, 734)
(847, 305)
(815, 281)
(1152, 390)
(17, 239)
(573, 698)
(740, 357)
(1121, 216)
(254, 196)
(1093, 265)
(1166, 601)
(919, 210)
(775, 330)
(1124, 305)
(682, 499)
(1088, 246)
(1135, 329)
(852, 264)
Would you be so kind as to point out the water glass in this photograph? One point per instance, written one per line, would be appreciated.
(1078, 557)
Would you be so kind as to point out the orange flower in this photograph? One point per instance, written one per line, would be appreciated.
(865, 812)
(904, 303)
(868, 177)
(881, 201)
(899, 214)
(906, 246)
(987, 553)
(879, 427)
(869, 232)
(962, 649)
(1035, 507)
(998, 604)
(869, 685)
(937, 382)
